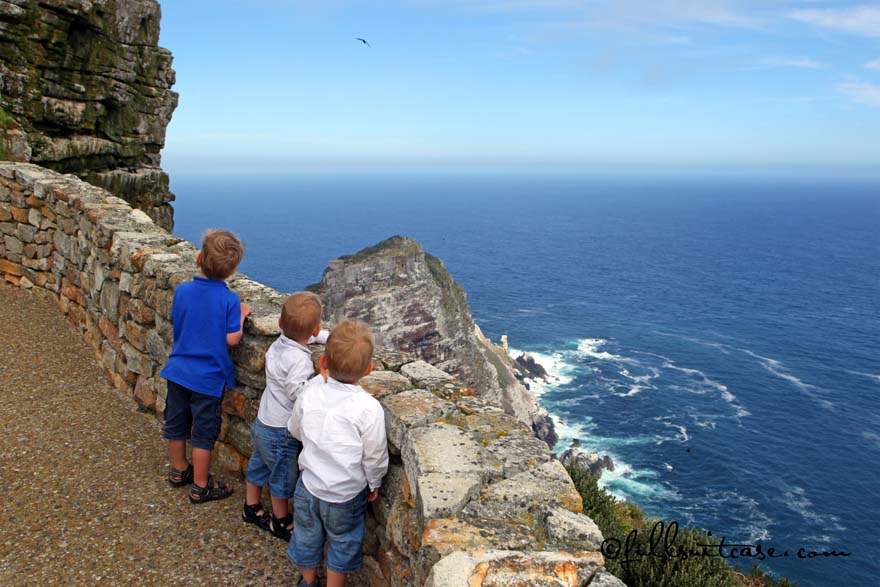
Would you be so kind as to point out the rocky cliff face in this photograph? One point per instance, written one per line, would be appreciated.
(414, 305)
(84, 89)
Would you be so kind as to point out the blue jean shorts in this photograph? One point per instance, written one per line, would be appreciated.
(274, 460)
(192, 414)
(341, 524)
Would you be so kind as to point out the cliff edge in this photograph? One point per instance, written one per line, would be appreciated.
(85, 89)
(413, 304)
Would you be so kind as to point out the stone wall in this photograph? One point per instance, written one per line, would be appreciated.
(471, 496)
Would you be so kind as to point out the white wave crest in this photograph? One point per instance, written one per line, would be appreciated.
(590, 347)
(796, 499)
(875, 377)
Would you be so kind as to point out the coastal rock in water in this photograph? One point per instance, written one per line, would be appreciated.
(87, 87)
(413, 304)
(529, 368)
(586, 461)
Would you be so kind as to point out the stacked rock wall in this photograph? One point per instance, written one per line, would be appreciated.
(471, 496)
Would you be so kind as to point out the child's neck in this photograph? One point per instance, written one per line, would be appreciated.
(302, 341)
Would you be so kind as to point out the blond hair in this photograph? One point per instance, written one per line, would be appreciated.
(349, 351)
(300, 315)
(221, 253)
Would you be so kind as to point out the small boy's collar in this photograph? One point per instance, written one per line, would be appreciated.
(352, 386)
(206, 281)
(293, 343)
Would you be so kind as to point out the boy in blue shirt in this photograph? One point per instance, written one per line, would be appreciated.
(208, 319)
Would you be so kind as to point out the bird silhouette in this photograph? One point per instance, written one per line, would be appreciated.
(364, 41)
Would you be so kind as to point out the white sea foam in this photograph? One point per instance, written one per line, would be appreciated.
(872, 438)
(590, 347)
(875, 377)
(724, 348)
(559, 370)
(796, 499)
(779, 369)
(705, 382)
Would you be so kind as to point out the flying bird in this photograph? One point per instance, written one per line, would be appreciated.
(364, 41)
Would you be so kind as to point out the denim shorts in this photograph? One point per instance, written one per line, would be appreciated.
(192, 414)
(274, 460)
(341, 524)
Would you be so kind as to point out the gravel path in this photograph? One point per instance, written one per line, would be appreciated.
(82, 477)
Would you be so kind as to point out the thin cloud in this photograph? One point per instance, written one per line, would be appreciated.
(861, 92)
(873, 64)
(795, 62)
(858, 20)
(712, 12)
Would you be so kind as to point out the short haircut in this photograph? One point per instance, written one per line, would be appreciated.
(300, 315)
(349, 351)
(221, 253)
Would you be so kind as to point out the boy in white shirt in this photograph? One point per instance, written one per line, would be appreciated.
(344, 457)
(288, 368)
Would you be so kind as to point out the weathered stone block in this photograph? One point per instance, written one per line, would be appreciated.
(382, 383)
(10, 268)
(442, 495)
(423, 374)
(26, 233)
(407, 409)
(144, 393)
(571, 531)
(110, 300)
(500, 568)
(545, 485)
(137, 361)
(518, 452)
(239, 436)
(606, 579)
(13, 244)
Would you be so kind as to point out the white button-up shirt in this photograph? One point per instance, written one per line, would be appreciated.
(288, 368)
(342, 428)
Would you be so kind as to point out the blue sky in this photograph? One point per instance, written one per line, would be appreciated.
(524, 84)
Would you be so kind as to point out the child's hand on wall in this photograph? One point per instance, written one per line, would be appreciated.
(374, 494)
(246, 309)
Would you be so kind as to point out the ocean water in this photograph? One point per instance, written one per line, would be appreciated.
(719, 338)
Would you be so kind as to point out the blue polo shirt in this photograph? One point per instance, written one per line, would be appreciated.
(204, 311)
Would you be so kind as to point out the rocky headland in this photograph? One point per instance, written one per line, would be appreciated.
(85, 89)
(414, 304)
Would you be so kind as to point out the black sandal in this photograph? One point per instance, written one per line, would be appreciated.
(249, 514)
(214, 490)
(180, 478)
(278, 527)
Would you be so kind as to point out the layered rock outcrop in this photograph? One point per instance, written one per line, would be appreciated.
(414, 304)
(471, 496)
(86, 89)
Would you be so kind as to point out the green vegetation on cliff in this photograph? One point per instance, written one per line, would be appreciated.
(627, 529)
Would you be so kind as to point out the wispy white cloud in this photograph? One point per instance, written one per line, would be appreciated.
(861, 92)
(859, 20)
(875, 64)
(713, 12)
(796, 62)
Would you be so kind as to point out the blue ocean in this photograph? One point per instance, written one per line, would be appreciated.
(719, 338)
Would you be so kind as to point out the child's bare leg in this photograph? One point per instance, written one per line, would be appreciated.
(279, 507)
(335, 579)
(309, 575)
(201, 465)
(177, 450)
(252, 494)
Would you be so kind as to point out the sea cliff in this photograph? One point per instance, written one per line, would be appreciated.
(414, 304)
(85, 89)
